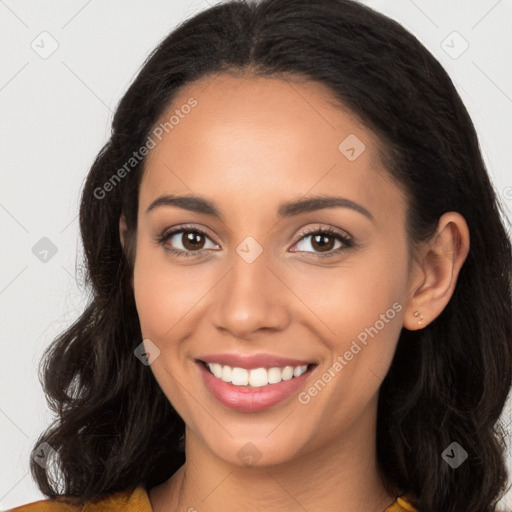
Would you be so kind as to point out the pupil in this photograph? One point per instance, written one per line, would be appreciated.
(191, 239)
(321, 240)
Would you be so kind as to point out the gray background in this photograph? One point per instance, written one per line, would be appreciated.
(56, 113)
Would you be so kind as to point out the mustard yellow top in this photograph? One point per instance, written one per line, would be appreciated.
(137, 500)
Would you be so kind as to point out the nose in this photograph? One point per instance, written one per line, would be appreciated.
(251, 297)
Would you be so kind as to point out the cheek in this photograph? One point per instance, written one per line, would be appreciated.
(353, 297)
(363, 308)
(163, 293)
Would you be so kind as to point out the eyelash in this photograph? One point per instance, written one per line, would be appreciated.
(346, 241)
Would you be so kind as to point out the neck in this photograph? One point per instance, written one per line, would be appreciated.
(340, 476)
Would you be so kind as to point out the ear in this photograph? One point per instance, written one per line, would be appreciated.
(434, 273)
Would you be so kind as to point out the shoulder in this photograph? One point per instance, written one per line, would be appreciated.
(133, 499)
(404, 503)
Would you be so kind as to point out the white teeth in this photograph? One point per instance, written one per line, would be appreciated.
(287, 373)
(226, 373)
(274, 375)
(257, 377)
(240, 377)
(216, 368)
(297, 371)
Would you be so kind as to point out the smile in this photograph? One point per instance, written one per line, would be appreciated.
(255, 389)
(257, 377)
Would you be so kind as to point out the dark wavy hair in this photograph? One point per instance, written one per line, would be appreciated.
(115, 428)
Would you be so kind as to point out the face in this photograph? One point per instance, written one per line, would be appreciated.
(324, 284)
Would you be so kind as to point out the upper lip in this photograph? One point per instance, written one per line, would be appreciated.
(250, 362)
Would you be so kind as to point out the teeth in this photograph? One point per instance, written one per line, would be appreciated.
(226, 373)
(240, 377)
(216, 369)
(287, 373)
(274, 375)
(257, 377)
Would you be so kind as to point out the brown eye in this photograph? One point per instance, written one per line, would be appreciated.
(325, 242)
(186, 241)
(192, 240)
(322, 242)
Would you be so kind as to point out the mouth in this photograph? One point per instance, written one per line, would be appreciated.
(253, 390)
(256, 377)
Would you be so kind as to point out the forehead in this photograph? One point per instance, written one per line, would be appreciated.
(249, 141)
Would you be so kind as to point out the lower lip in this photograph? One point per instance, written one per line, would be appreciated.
(247, 399)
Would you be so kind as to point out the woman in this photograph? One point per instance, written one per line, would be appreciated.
(301, 281)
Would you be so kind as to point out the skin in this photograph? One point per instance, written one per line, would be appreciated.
(249, 145)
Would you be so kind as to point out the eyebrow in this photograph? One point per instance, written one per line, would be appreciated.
(288, 209)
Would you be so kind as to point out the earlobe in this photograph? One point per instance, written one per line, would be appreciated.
(419, 316)
(435, 274)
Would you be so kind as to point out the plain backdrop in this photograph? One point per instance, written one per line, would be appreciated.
(64, 66)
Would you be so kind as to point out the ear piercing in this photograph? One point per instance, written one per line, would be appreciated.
(418, 314)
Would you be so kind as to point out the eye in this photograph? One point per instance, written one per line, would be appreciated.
(324, 241)
(190, 241)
